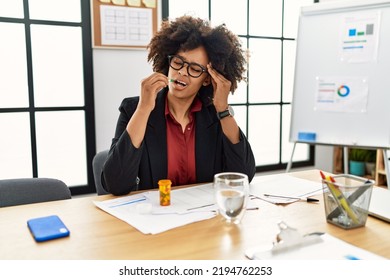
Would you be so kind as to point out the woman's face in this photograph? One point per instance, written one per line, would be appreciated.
(182, 83)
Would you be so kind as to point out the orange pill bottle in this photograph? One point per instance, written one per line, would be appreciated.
(165, 192)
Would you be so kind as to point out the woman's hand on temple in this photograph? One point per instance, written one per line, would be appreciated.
(221, 87)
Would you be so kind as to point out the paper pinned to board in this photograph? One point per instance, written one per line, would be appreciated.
(149, 3)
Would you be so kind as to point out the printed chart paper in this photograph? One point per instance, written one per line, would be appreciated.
(125, 26)
(341, 94)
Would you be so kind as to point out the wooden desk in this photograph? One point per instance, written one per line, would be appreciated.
(97, 235)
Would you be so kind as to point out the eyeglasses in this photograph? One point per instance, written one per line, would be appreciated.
(193, 69)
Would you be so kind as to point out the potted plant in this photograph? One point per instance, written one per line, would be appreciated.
(358, 159)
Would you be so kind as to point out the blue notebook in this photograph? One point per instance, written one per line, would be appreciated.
(47, 228)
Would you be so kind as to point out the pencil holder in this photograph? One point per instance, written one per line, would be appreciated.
(347, 200)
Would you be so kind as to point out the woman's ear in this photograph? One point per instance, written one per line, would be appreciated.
(207, 81)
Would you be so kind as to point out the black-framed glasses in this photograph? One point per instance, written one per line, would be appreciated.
(195, 70)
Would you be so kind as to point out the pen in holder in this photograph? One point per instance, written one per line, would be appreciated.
(347, 200)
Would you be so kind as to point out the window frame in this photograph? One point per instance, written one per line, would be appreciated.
(88, 107)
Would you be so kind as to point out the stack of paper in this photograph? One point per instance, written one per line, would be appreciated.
(144, 212)
(283, 185)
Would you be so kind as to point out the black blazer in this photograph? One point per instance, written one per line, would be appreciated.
(128, 168)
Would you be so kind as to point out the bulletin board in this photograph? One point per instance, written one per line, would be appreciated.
(342, 86)
(123, 23)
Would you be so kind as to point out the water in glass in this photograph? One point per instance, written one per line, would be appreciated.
(231, 193)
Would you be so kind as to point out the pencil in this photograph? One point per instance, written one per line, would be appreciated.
(307, 199)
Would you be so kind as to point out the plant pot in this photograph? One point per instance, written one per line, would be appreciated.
(357, 168)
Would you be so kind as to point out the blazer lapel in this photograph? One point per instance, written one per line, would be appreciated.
(156, 139)
(206, 144)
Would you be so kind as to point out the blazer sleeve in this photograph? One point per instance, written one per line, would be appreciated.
(119, 175)
(239, 157)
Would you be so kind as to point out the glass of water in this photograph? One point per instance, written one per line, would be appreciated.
(231, 194)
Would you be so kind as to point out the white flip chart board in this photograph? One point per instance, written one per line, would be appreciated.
(342, 75)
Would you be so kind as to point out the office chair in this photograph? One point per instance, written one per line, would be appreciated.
(32, 190)
(97, 167)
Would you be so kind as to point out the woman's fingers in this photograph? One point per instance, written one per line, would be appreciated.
(150, 86)
(155, 82)
(221, 87)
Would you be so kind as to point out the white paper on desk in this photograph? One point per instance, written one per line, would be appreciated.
(163, 218)
(185, 200)
(283, 185)
(331, 248)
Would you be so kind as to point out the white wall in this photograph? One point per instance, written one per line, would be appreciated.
(117, 74)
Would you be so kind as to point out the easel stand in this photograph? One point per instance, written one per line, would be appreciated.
(289, 164)
(386, 159)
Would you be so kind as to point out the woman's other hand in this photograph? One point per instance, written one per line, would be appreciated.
(150, 87)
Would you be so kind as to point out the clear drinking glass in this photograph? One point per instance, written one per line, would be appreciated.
(231, 194)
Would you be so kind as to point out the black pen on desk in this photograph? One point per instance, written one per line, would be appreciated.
(308, 199)
(198, 207)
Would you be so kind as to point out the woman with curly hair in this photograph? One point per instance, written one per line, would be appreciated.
(181, 126)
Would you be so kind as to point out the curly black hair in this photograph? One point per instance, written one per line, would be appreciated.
(187, 33)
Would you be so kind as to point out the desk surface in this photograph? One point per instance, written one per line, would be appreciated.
(96, 234)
